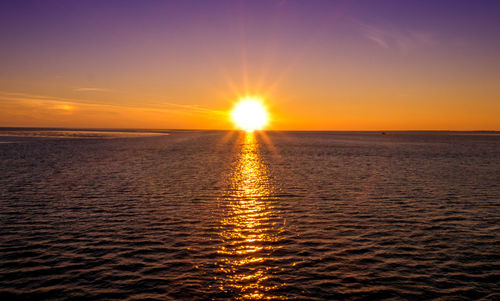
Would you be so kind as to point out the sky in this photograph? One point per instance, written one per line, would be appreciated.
(317, 65)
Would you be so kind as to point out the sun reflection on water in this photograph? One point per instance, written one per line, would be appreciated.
(249, 229)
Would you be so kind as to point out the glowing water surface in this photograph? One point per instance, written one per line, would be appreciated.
(249, 228)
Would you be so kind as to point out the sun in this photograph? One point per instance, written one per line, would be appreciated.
(249, 114)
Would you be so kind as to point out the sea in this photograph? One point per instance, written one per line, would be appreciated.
(229, 215)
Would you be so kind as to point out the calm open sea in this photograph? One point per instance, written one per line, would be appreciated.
(228, 215)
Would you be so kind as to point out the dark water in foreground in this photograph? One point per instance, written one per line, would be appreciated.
(218, 215)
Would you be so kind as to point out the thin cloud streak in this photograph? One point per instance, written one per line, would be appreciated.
(13, 96)
(32, 110)
(395, 39)
(92, 90)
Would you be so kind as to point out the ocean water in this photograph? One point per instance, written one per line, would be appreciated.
(229, 215)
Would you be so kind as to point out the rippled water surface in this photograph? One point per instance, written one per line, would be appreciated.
(227, 215)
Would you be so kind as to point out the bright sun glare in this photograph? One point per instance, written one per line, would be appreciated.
(249, 114)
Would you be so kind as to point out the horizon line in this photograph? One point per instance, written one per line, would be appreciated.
(267, 130)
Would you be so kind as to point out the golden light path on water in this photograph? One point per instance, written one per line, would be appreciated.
(249, 228)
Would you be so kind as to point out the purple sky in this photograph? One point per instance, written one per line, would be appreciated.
(435, 62)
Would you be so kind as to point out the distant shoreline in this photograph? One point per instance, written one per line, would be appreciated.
(75, 133)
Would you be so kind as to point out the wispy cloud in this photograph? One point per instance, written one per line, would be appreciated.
(63, 102)
(92, 90)
(22, 109)
(397, 39)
